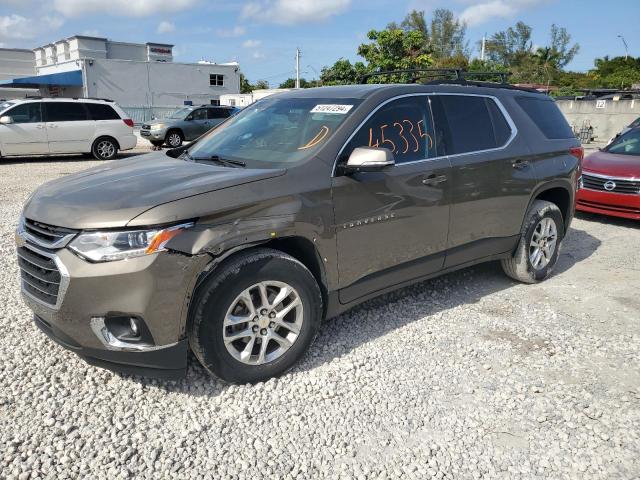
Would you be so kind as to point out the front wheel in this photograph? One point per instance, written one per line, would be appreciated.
(174, 138)
(539, 245)
(104, 149)
(255, 317)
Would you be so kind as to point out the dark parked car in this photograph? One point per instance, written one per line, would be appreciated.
(296, 209)
(187, 123)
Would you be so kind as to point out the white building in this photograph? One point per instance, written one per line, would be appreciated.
(132, 74)
(244, 99)
(16, 62)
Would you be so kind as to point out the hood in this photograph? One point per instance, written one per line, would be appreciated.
(612, 164)
(110, 196)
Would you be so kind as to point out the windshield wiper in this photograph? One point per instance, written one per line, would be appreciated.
(223, 161)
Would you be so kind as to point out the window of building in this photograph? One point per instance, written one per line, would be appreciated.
(402, 126)
(216, 80)
(65, 111)
(26, 113)
(215, 102)
(100, 111)
(468, 124)
(547, 116)
(232, 102)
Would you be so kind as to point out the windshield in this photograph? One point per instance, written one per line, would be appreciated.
(4, 105)
(275, 133)
(180, 114)
(627, 144)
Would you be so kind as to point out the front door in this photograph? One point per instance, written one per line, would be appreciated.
(69, 128)
(27, 134)
(197, 124)
(392, 225)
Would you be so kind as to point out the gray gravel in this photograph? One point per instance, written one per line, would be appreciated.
(466, 376)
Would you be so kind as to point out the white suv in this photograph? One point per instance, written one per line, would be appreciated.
(43, 126)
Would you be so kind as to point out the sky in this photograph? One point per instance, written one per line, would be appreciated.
(262, 35)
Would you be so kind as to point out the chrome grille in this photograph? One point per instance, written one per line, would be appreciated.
(146, 127)
(47, 236)
(40, 274)
(597, 182)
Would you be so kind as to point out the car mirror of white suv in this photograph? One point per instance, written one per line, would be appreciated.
(6, 120)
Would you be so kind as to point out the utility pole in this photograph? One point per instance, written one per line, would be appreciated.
(626, 47)
(484, 42)
(297, 68)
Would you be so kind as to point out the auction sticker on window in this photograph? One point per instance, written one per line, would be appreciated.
(331, 108)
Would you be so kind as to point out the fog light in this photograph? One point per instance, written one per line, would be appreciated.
(122, 332)
(134, 327)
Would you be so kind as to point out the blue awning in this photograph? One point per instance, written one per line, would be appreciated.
(62, 79)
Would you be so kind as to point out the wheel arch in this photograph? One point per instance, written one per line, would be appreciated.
(558, 193)
(101, 137)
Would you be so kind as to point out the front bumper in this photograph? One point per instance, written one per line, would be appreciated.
(155, 289)
(154, 135)
(607, 203)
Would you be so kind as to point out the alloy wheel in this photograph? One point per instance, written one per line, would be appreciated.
(263, 322)
(174, 140)
(543, 243)
(106, 149)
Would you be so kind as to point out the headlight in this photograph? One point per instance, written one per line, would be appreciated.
(111, 246)
(157, 126)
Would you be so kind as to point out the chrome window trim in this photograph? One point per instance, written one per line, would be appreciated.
(610, 177)
(501, 107)
(64, 279)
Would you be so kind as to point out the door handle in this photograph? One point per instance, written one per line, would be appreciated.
(520, 164)
(52, 125)
(40, 126)
(434, 179)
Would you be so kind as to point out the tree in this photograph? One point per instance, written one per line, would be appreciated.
(447, 36)
(304, 83)
(560, 40)
(510, 46)
(395, 50)
(343, 72)
(245, 86)
(617, 72)
(261, 85)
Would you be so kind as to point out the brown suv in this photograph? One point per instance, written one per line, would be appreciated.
(301, 206)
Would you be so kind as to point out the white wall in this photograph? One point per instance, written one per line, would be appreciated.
(16, 63)
(607, 117)
(132, 83)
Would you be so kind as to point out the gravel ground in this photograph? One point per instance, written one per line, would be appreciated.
(466, 376)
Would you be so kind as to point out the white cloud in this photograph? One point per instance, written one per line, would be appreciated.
(124, 8)
(236, 31)
(257, 55)
(166, 27)
(15, 27)
(486, 10)
(290, 12)
(251, 43)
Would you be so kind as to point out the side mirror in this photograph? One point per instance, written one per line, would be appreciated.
(6, 120)
(369, 159)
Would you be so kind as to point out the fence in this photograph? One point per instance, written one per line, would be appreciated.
(141, 114)
(604, 118)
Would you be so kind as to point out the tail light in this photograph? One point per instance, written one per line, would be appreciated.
(128, 122)
(578, 152)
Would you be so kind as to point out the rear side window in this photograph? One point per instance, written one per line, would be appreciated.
(26, 113)
(547, 116)
(100, 111)
(402, 126)
(215, 113)
(65, 112)
(467, 124)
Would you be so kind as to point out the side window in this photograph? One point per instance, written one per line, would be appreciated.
(100, 111)
(65, 111)
(547, 116)
(26, 113)
(200, 114)
(467, 124)
(217, 113)
(402, 126)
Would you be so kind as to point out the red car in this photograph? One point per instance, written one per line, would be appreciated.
(610, 182)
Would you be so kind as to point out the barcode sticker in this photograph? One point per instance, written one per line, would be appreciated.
(338, 109)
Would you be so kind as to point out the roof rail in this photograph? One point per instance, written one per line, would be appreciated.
(473, 83)
(33, 96)
(458, 74)
(97, 98)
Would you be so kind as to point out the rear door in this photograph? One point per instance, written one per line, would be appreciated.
(69, 128)
(492, 179)
(27, 134)
(217, 116)
(391, 226)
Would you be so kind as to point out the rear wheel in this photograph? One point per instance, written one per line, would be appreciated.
(104, 148)
(174, 138)
(539, 247)
(256, 317)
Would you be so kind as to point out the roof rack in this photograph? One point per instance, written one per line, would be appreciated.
(450, 75)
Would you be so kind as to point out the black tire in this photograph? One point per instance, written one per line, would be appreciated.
(174, 138)
(104, 148)
(219, 291)
(520, 267)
